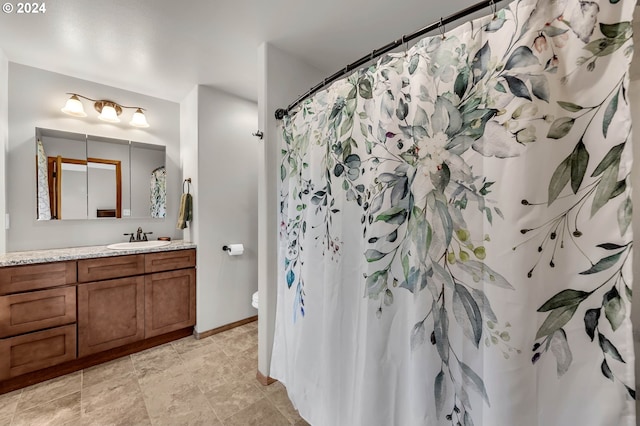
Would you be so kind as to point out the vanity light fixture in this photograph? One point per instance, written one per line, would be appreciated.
(109, 110)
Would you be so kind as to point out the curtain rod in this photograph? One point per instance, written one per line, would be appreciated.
(282, 112)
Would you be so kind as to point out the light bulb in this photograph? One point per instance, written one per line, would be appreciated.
(138, 119)
(74, 107)
(109, 114)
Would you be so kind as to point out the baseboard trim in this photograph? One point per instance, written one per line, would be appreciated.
(264, 380)
(208, 333)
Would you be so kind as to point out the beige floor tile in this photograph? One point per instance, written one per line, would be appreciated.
(261, 413)
(8, 404)
(229, 398)
(62, 411)
(118, 368)
(240, 343)
(252, 332)
(217, 340)
(117, 401)
(209, 382)
(133, 412)
(155, 360)
(246, 362)
(173, 399)
(209, 351)
(234, 332)
(50, 390)
(281, 401)
(208, 378)
(252, 325)
(190, 343)
(273, 388)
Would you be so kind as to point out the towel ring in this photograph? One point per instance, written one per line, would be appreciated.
(187, 181)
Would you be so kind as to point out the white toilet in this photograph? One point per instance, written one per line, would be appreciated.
(254, 300)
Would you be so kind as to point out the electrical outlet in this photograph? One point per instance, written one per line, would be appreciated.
(126, 212)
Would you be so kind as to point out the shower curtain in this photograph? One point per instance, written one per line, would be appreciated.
(455, 240)
(158, 205)
(44, 205)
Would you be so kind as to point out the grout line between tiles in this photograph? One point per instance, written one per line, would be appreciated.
(15, 410)
(81, 392)
(144, 400)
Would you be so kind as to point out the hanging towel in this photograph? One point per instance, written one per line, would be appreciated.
(186, 211)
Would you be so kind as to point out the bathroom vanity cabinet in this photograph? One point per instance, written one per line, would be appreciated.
(72, 314)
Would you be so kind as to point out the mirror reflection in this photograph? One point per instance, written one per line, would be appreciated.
(90, 177)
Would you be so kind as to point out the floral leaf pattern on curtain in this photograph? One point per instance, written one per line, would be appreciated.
(424, 143)
(158, 192)
(44, 205)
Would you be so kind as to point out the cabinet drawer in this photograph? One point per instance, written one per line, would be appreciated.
(169, 260)
(110, 267)
(110, 314)
(170, 301)
(25, 312)
(14, 279)
(34, 351)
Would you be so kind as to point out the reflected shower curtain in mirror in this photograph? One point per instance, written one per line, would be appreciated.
(158, 204)
(455, 240)
(44, 202)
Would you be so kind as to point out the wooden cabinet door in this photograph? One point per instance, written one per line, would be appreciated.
(34, 351)
(169, 260)
(110, 314)
(37, 310)
(170, 301)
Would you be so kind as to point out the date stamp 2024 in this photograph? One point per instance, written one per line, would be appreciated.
(24, 8)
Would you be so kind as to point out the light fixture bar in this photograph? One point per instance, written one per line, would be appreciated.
(109, 110)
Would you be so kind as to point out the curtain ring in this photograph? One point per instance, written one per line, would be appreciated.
(492, 4)
(441, 27)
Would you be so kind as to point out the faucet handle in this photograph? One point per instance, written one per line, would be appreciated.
(131, 237)
(144, 238)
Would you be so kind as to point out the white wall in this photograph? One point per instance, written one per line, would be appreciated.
(189, 156)
(4, 136)
(35, 99)
(281, 79)
(222, 161)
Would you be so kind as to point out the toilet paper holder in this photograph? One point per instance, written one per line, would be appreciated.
(233, 249)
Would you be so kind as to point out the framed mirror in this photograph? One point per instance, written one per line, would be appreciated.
(92, 177)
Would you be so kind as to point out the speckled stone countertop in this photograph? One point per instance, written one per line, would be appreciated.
(74, 253)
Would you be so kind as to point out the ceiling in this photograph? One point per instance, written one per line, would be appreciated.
(164, 48)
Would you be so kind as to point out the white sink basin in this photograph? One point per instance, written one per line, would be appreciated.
(138, 245)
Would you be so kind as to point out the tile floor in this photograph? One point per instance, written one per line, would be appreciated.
(187, 382)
